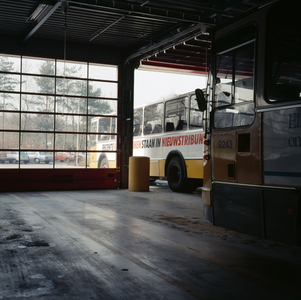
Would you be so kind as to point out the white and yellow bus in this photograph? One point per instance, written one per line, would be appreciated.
(104, 143)
(170, 133)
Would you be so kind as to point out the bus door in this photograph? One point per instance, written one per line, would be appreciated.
(236, 134)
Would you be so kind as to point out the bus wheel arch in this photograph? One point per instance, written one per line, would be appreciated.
(175, 171)
(103, 162)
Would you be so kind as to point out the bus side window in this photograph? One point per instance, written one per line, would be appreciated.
(176, 114)
(147, 128)
(169, 126)
(180, 125)
(157, 128)
(196, 116)
(137, 127)
(153, 118)
(137, 130)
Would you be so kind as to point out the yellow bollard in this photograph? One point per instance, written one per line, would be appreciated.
(139, 173)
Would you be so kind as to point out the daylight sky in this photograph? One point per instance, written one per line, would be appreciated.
(151, 86)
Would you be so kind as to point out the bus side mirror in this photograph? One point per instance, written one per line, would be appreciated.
(200, 98)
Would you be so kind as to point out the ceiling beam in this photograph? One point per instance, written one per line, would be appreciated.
(143, 12)
(171, 39)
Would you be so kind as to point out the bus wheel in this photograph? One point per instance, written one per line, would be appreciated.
(175, 175)
(104, 163)
(193, 184)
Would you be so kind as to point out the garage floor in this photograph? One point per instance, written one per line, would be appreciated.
(117, 244)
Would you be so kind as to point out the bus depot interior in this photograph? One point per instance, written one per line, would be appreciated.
(83, 88)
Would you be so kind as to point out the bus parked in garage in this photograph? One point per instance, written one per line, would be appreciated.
(171, 133)
(252, 151)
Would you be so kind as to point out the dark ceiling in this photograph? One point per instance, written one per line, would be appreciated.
(165, 33)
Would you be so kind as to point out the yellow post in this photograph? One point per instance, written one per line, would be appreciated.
(139, 173)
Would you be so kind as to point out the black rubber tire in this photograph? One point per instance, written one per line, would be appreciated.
(14, 161)
(192, 184)
(36, 160)
(67, 160)
(175, 175)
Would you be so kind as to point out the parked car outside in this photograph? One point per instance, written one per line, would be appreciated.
(38, 157)
(3, 157)
(13, 157)
(67, 156)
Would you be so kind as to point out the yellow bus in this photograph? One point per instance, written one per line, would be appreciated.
(103, 146)
(171, 133)
(252, 144)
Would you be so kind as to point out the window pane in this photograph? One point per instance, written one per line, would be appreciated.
(3, 157)
(284, 60)
(102, 107)
(9, 140)
(9, 101)
(196, 116)
(176, 114)
(37, 84)
(101, 142)
(10, 83)
(223, 80)
(71, 105)
(102, 124)
(239, 115)
(70, 123)
(70, 160)
(37, 140)
(38, 66)
(11, 159)
(103, 72)
(37, 103)
(37, 122)
(137, 126)
(70, 141)
(237, 92)
(10, 63)
(8, 161)
(153, 118)
(244, 71)
(92, 141)
(9, 121)
(74, 87)
(71, 69)
(102, 89)
(101, 160)
(40, 158)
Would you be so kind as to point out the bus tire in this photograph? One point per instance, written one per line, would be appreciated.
(193, 184)
(103, 163)
(175, 175)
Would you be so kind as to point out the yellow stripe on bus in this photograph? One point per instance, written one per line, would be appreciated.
(194, 168)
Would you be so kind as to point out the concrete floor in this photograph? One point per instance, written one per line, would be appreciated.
(117, 244)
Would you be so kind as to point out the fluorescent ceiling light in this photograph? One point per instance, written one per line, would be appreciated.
(39, 13)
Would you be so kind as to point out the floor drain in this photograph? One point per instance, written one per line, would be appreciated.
(35, 244)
